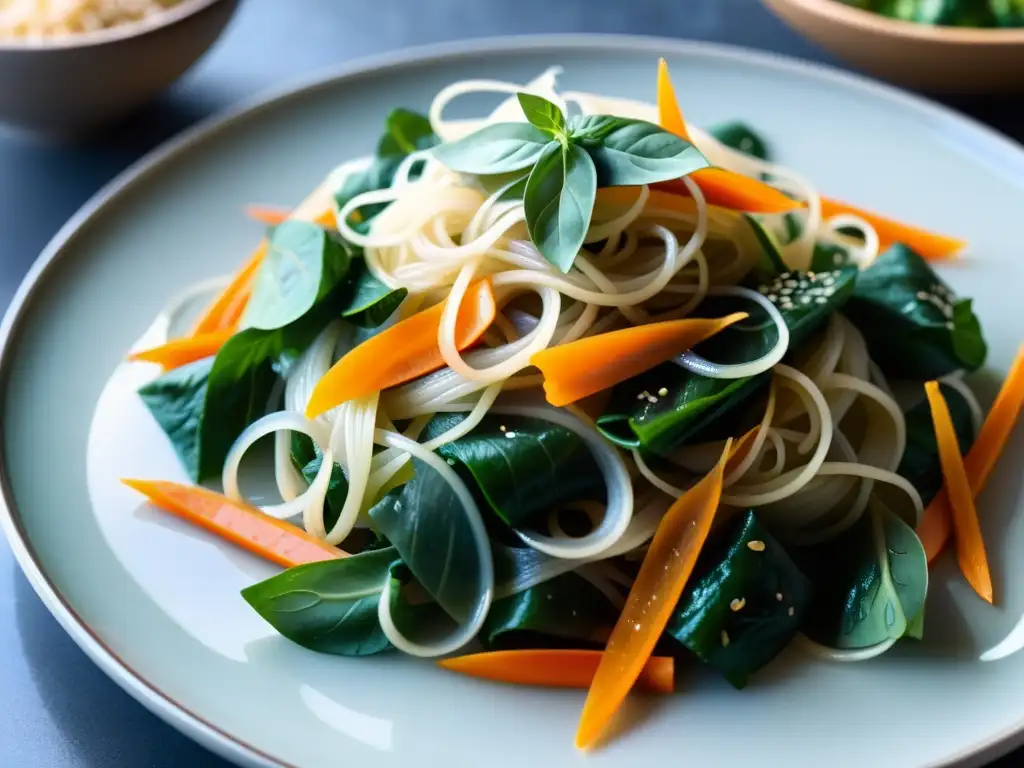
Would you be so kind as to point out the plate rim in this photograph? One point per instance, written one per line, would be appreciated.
(132, 681)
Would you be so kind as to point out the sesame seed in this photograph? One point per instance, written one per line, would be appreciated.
(802, 284)
(791, 283)
(450, 462)
(502, 428)
(786, 291)
(828, 281)
(784, 275)
(636, 627)
(829, 291)
(778, 596)
(643, 395)
(757, 545)
(923, 295)
(663, 391)
(652, 399)
(791, 610)
(805, 299)
(510, 434)
(725, 639)
(773, 298)
(820, 300)
(812, 275)
(737, 604)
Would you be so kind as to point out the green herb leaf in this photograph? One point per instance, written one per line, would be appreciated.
(406, 132)
(770, 264)
(741, 137)
(524, 470)
(559, 202)
(914, 325)
(367, 301)
(869, 582)
(565, 612)
(629, 152)
(303, 265)
(497, 148)
(734, 593)
(543, 114)
(693, 406)
(920, 464)
(426, 523)
(329, 607)
(337, 487)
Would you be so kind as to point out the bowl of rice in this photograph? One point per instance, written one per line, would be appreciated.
(69, 67)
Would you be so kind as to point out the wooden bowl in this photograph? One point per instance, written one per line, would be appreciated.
(69, 86)
(937, 59)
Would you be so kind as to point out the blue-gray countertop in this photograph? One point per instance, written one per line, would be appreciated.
(56, 709)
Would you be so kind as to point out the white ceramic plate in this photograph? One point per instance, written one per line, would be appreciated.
(156, 604)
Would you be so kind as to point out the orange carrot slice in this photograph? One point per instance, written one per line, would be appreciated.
(738, 192)
(554, 668)
(659, 584)
(936, 525)
(270, 215)
(403, 352)
(720, 186)
(225, 311)
(930, 245)
(970, 549)
(246, 526)
(179, 352)
(590, 365)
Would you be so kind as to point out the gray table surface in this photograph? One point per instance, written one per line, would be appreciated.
(56, 709)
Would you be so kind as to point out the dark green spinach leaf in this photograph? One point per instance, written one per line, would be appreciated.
(920, 464)
(744, 602)
(741, 137)
(406, 132)
(770, 264)
(915, 327)
(869, 582)
(367, 301)
(329, 607)
(523, 467)
(559, 201)
(565, 612)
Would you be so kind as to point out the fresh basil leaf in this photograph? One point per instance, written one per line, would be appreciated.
(740, 136)
(543, 114)
(770, 264)
(559, 202)
(176, 401)
(378, 175)
(514, 190)
(869, 582)
(330, 606)
(828, 256)
(337, 488)
(303, 265)
(730, 614)
(523, 467)
(639, 415)
(367, 301)
(426, 523)
(406, 132)
(632, 152)
(914, 325)
(920, 463)
(915, 627)
(565, 612)
(497, 148)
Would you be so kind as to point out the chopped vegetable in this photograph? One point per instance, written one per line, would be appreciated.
(721, 187)
(930, 245)
(581, 368)
(403, 352)
(267, 214)
(179, 352)
(225, 311)
(980, 460)
(970, 548)
(246, 526)
(663, 574)
(555, 668)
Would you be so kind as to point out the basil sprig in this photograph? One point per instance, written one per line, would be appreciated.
(568, 159)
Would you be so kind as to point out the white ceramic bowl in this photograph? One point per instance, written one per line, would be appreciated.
(71, 85)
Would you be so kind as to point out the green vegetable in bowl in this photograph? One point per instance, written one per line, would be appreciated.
(949, 13)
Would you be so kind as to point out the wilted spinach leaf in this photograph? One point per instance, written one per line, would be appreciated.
(524, 470)
(915, 326)
(731, 614)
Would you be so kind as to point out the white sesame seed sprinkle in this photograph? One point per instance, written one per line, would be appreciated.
(450, 462)
(503, 428)
(725, 639)
(820, 300)
(636, 627)
(778, 596)
(663, 392)
(757, 545)
(510, 434)
(737, 604)
(791, 610)
(652, 399)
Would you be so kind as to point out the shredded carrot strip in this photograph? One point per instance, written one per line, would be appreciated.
(179, 352)
(270, 215)
(581, 368)
(246, 526)
(936, 525)
(555, 668)
(738, 192)
(403, 352)
(225, 310)
(970, 549)
(930, 245)
(720, 187)
(659, 585)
